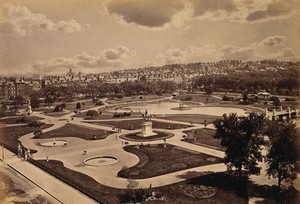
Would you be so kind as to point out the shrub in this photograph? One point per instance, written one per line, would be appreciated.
(92, 113)
(78, 105)
(22, 119)
(36, 123)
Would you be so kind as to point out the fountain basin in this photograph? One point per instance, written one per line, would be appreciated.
(54, 143)
(101, 160)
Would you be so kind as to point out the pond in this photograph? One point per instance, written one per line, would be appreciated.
(173, 108)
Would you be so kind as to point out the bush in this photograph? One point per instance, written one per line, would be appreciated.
(36, 123)
(58, 108)
(119, 96)
(187, 98)
(92, 113)
(22, 119)
(99, 103)
(227, 98)
(78, 105)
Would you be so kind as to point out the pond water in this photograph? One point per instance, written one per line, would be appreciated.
(173, 108)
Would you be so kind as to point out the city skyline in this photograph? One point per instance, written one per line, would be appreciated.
(50, 37)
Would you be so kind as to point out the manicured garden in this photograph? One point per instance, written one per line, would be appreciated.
(157, 160)
(227, 188)
(203, 137)
(160, 136)
(71, 130)
(9, 135)
(202, 98)
(80, 181)
(19, 119)
(137, 124)
(190, 118)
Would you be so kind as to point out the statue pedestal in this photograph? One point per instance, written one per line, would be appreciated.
(147, 129)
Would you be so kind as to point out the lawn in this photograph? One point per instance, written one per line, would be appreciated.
(70, 130)
(202, 98)
(137, 124)
(228, 190)
(157, 160)
(84, 105)
(20, 119)
(203, 137)
(80, 181)
(160, 136)
(9, 135)
(136, 98)
(50, 112)
(196, 118)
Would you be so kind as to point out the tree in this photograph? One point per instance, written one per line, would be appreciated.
(34, 102)
(208, 90)
(276, 102)
(245, 97)
(283, 155)
(3, 109)
(242, 137)
(78, 105)
(49, 100)
(19, 100)
(92, 113)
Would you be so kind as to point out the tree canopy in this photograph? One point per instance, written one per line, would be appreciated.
(283, 155)
(242, 137)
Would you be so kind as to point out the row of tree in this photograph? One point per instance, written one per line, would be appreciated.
(127, 88)
(280, 82)
(245, 137)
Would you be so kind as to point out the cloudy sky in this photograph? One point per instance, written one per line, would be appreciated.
(52, 36)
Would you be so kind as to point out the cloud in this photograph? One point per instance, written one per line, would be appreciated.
(238, 53)
(273, 41)
(274, 10)
(145, 13)
(202, 7)
(110, 58)
(160, 14)
(118, 52)
(18, 20)
(271, 47)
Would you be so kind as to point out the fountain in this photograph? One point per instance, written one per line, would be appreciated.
(54, 143)
(102, 160)
(181, 107)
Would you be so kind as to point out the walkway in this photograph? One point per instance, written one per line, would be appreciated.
(56, 188)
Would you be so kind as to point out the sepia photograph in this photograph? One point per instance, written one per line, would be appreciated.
(149, 101)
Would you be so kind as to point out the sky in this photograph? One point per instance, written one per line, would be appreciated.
(52, 36)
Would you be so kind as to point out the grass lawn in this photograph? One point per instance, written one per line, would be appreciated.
(203, 98)
(104, 116)
(9, 135)
(196, 118)
(203, 137)
(137, 98)
(80, 181)
(70, 130)
(157, 160)
(228, 190)
(17, 120)
(50, 112)
(271, 194)
(136, 138)
(84, 105)
(136, 124)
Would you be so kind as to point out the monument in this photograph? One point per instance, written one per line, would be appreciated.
(147, 130)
